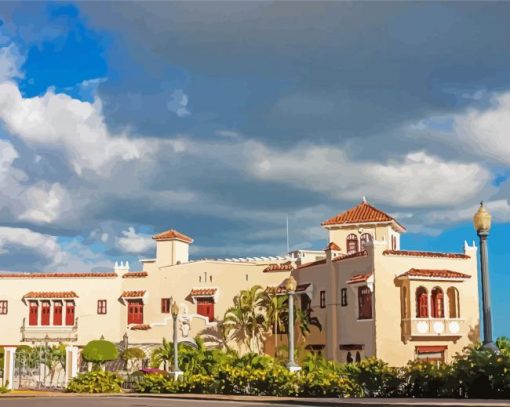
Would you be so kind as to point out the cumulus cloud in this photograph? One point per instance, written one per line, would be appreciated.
(179, 103)
(10, 63)
(416, 179)
(64, 123)
(132, 242)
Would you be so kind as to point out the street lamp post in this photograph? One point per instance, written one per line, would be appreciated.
(290, 285)
(175, 312)
(482, 224)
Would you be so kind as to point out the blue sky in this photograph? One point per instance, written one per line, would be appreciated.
(119, 120)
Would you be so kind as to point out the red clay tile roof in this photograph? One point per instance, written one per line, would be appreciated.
(351, 255)
(287, 266)
(359, 278)
(57, 275)
(313, 263)
(203, 291)
(171, 235)
(425, 254)
(435, 274)
(135, 274)
(133, 294)
(140, 327)
(332, 246)
(362, 213)
(282, 290)
(51, 294)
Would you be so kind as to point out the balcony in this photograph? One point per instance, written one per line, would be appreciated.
(433, 327)
(49, 333)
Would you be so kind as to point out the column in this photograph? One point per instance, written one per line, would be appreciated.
(71, 362)
(9, 357)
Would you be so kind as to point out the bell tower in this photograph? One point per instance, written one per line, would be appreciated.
(172, 247)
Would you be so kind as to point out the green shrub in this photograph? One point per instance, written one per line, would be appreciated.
(133, 353)
(4, 389)
(100, 351)
(425, 379)
(376, 378)
(95, 382)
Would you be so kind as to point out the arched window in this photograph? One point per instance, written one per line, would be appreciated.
(364, 239)
(358, 357)
(453, 302)
(422, 303)
(349, 357)
(352, 243)
(437, 303)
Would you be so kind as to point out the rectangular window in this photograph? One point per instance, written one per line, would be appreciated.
(33, 316)
(165, 305)
(365, 303)
(45, 313)
(70, 312)
(57, 313)
(431, 353)
(135, 312)
(101, 307)
(205, 307)
(3, 307)
(343, 296)
(306, 304)
(323, 299)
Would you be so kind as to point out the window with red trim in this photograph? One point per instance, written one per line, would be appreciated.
(33, 316)
(57, 313)
(205, 307)
(437, 303)
(322, 299)
(165, 305)
(70, 312)
(45, 313)
(101, 307)
(352, 243)
(3, 307)
(135, 312)
(422, 306)
(365, 303)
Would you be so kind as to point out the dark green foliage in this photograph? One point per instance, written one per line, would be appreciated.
(100, 351)
(95, 382)
(133, 354)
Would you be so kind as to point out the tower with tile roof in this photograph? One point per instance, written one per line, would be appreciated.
(172, 247)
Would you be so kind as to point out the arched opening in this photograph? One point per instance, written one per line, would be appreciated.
(352, 243)
(349, 357)
(422, 305)
(358, 357)
(364, 239)
(453, 302)
(437, 303)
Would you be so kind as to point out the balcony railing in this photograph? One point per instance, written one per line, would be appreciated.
(433, 327)
(49, 333)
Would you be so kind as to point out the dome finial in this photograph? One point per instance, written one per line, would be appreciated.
(364, 199)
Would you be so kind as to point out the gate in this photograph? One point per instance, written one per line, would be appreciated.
(40, 367)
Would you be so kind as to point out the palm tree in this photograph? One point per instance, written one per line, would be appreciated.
(275, 311)
(163, 354)
(246, 322)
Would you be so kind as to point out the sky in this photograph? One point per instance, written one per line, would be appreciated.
(121, 120)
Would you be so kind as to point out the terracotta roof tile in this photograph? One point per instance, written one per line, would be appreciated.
(287, 266)
(140, 327)
(135, 274)
(51, 294)
(425, 254)
(133, 294)
(172, 234)
(351, 255)
(203, 291)
(332, 246)
(359, 278)
(57, 275)
(362, 213)
(435, 274)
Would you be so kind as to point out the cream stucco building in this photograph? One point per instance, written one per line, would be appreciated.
(371, 297)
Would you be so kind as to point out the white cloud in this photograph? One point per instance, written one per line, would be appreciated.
(414, 180)
(131, 242)
(45, 204)
(44, 245)
(179, 103)
(10, 63)
(75, 127)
